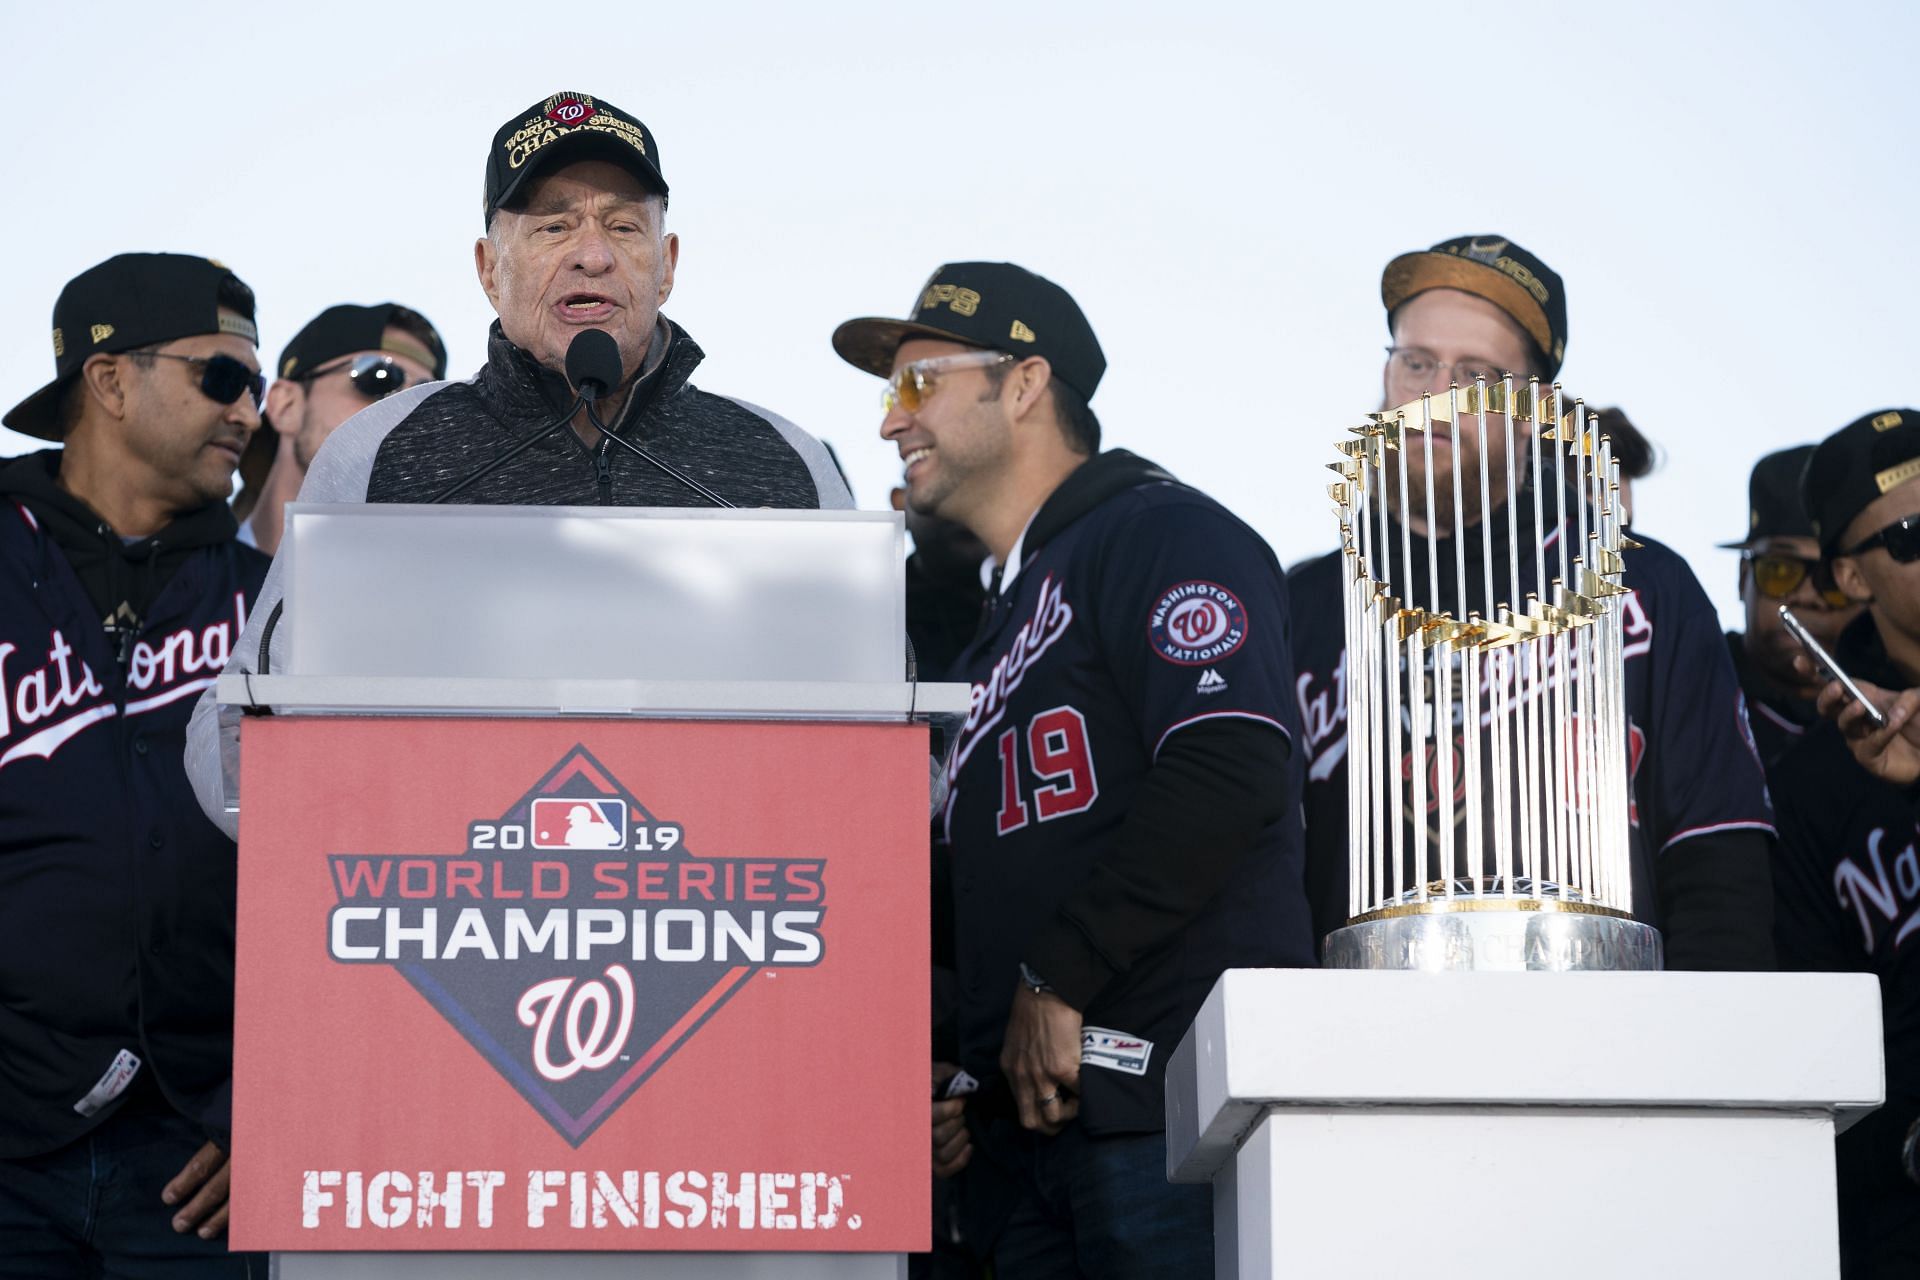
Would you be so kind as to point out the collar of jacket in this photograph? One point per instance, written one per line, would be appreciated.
(1086, 487)
(528, 391)
(34, 482)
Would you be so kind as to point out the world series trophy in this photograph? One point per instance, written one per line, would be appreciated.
(1486, 719)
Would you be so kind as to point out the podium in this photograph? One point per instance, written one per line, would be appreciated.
(582, 920)
(1492, 1125)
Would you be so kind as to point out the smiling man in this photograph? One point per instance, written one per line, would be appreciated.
(576, 239)
(1480, 307)
(122, 589)
(1122, 814)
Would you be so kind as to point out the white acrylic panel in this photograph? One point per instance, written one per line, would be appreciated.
(594, 593)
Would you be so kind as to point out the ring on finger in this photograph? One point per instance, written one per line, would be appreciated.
(1050, 1099)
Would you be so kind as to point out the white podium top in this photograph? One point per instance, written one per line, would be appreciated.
(1305, 1037)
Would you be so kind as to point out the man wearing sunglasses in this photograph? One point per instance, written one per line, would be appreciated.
(574, 206)
(122, 592)
(1480, 307)
(1847, 879)
(345, 359)
(1122, 801)
(1780, 564)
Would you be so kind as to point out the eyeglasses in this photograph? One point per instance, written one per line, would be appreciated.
(373, 376)
(1779, 576)
(911, 384)
(1417, 364)
(1901, 539)
(222, 378)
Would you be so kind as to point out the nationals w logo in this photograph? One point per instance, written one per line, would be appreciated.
(576, 941)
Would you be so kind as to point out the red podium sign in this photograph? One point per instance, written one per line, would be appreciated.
(594, 984)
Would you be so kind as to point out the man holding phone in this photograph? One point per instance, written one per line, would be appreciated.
(1780, 564)
(1847, 879)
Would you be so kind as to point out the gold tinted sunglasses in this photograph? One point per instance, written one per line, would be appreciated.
(911, 384)
(1779, 576)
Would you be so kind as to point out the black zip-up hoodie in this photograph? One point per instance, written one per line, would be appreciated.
(116, 892)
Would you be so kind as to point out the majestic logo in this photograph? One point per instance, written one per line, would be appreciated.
(1197, 623)
(576, 941)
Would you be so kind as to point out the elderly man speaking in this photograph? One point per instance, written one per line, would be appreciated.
(576, 239)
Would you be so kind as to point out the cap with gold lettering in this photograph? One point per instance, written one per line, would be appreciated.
(1494, 268)
(1872, 455)
(569, 126)
(995, 305)
(133, 300)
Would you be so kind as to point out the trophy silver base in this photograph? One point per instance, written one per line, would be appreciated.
(1503, 935)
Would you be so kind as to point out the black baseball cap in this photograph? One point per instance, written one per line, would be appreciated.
(1491, 267)
(569, 126)
(1774, 509)
(1872, 455)
(995, 305)
(347, 328)
(132, 300)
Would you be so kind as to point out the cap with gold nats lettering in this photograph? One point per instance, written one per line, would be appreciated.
(985, 304)
(1872, 455)
(569, 126)
(1494, 268)
(133, 300)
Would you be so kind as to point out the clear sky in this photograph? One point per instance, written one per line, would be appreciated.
(1730, 191)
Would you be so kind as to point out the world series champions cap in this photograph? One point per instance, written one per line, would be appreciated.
(1870, 456)
(567, 127)
(1774, 509)
(1494, 268)
(132, 300)
(995, 305)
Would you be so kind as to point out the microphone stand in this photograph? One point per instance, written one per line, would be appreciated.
(593, 416)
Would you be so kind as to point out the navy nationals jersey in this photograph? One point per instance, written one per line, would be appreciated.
(1150, 610)
(1847, 899)
(116, 892)
(1692, 766)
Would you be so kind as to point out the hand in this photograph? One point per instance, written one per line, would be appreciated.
(1890, 753)
(205, 1179)
(952, 1142)
(1041, 1059)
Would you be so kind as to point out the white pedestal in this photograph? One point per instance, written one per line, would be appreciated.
(1488, 1125)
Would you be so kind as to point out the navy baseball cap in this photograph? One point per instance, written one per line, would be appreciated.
(564, 128)
(347, 328)
(1491, 267)
(995, 305)
(1874, 454)
(1774, 509)
(132, 300)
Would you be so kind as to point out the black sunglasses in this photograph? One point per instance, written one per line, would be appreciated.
(373, 376)
(222, 378)
(1901, 539)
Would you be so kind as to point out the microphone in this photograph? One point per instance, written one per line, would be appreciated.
(593, 369)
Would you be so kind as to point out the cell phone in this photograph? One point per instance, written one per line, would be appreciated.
(1828, 667)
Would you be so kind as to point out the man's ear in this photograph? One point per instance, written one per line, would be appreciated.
(284, 399)
(1847, 576)
(485, 262)
(1029, 381)
(103, 380)
(670, 248)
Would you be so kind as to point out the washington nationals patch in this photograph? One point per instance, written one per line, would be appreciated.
(1196, 623)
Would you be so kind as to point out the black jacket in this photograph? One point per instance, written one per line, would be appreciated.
(116, 892)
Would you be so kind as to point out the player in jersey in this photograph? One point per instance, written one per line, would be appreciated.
(1699, 821)
(1123, 811)
(1847, 879)
(1780, 564)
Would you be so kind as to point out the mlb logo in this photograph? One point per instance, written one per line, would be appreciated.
(579, 823)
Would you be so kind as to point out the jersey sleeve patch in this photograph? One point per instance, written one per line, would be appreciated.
(1197, 622)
